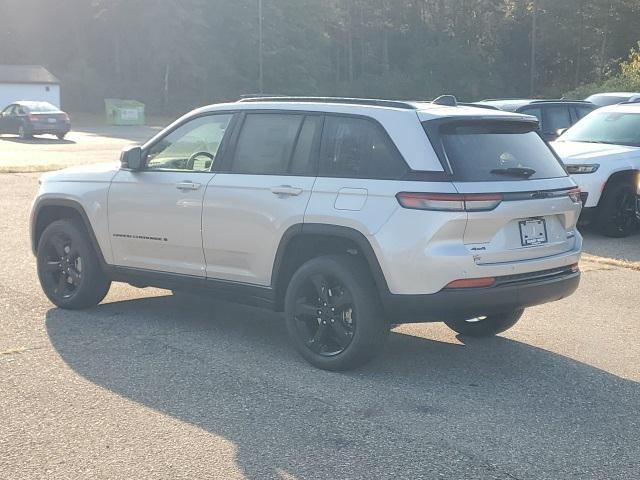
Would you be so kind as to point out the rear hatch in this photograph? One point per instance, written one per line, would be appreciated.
(521, 204)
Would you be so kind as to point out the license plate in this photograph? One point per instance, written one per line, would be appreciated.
(533, 232)
(51, 120)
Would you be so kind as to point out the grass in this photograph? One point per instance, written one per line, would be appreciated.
(612, 262)
(33, 168)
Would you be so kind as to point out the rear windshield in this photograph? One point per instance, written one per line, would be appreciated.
(41, 107)
(498, 152)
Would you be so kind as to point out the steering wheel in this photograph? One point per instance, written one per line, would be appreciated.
(192, 159)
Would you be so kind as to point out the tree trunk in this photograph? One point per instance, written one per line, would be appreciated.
(580, 46)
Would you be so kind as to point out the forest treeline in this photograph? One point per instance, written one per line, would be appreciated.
(175, 54)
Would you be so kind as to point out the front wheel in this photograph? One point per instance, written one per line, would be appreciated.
(68, 267)
(333, 313)
(485, 326)
(617, 211)
(61, 135)
(24, 133)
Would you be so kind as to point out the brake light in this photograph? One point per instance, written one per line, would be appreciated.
(472, 283)
(450, 202)
(574, 195)
(34, 118)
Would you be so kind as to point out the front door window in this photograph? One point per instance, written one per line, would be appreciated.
(191, 147)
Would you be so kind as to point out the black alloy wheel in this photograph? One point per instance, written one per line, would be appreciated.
(617, 215)
(325, 315)
(333, 312)
(63, 266)
(68, 267)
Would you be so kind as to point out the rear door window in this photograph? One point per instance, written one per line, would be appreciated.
(498, 151)
(358, 148)
(535, 111)
(556, 118)
(265, 144)
(583, 111)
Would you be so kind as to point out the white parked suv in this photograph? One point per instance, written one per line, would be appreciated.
(602, 153)
(350, 215)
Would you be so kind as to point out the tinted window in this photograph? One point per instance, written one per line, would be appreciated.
(489, 152)
(303, 153)
(583, 111)
(265, 143)
(358, 148)
(556, 118)
(606, 127)
(41, 107)
(535, 111)
(193, 146)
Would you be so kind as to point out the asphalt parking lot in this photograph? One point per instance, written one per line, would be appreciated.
(148, 385)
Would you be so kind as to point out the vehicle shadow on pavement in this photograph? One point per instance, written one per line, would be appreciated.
(424, 408)
(624, 249)
(38, 140)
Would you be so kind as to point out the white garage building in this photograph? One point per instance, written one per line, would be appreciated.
(28, 82)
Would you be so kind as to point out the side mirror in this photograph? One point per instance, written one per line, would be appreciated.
(131, 158)
(560, 131)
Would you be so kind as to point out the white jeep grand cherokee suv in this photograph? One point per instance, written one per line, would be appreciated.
(602, 152)
(350, 215)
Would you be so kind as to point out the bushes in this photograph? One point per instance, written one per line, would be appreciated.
(626, 80)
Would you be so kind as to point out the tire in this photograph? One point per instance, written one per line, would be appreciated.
(337, 287)
(61, 135)
(616, 215)
(68, 267)
(485, 326)
(24, 133)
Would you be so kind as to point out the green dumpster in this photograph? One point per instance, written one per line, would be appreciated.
(124, 112)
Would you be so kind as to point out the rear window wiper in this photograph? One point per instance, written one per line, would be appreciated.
(514, 171)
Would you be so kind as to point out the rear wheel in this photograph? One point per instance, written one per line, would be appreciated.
(61, 135)
(617, 211)
(68, 267)
(333, 313)
(485, 326)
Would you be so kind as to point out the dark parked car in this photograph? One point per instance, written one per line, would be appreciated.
(553, 115)
(34, 118)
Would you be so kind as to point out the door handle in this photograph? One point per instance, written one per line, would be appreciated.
(188, 186)
(286, 191)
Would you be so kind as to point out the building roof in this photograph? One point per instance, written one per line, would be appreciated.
(26, 74)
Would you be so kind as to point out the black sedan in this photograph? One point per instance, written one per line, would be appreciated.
(34, 118)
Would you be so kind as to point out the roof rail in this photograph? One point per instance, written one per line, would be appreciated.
(501, 99)
(559, 100)
(630, 101)
(351, 101)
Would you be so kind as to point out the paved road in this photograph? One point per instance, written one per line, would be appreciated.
(151, 386)
(82, 145)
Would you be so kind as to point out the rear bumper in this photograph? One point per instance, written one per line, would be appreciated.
(52, 129)
(510, 293)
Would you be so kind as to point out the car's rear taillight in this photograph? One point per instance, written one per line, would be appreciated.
(34, 118)
(452, 202)
(574, 195)
(472, 283)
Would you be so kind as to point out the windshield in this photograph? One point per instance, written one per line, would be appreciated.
(500, 152)
(41, 107)
(606, 100)
(617, 128)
